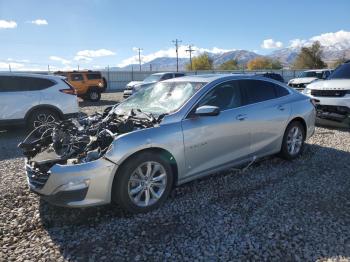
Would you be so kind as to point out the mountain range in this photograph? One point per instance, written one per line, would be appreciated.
(285, 55)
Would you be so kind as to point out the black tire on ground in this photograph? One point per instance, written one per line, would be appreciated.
(93, 95)
(288, 139)
(41, 117)
(120, 189)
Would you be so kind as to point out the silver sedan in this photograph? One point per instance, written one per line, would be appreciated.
(204, 124)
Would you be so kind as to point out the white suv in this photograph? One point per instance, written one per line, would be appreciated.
(333, 94)
(35, 99)
(308, 77)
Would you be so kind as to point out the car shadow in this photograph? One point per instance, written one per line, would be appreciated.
(83, 104)
(9, 139)
(80, 232)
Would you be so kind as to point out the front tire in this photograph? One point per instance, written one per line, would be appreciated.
(293, 141)
(142, 183)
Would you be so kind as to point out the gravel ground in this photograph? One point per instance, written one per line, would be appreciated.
(276, 210)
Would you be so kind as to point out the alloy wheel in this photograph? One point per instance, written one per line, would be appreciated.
(42, 121)
(147, 184)
(294, 140)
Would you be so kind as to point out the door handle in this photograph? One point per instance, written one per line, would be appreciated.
(241, 117)
(281, 108)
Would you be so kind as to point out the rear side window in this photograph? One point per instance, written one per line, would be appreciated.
(179, 75)
(93, 76)
(256, 91)
(76, 77)
(167, 76)
(19, 83)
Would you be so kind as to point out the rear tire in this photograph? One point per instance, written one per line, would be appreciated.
(293, 141)
(41, 117)
(138, 193)
(94, 95)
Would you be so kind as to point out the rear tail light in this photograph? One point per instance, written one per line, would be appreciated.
(314, 102)
(68, 91)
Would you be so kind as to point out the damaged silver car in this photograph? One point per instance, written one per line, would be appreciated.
(166, 134)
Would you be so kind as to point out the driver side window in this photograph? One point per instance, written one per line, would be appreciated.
(225, 96)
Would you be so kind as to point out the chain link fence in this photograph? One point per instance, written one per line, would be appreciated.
(117, 80)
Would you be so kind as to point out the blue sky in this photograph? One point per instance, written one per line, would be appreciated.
(105, 31)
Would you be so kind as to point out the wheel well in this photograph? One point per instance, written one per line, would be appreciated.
(40, 107)
(163, 152)
(301, 121)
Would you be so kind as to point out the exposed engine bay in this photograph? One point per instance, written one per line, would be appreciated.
(84, 139)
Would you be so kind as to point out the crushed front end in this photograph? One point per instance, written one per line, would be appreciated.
(67, 164)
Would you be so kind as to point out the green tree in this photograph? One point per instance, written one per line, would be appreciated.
(261, 63)
(201, 62)
(310, 57)
(229, 65)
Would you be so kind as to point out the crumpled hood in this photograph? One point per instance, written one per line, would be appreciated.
(302, 80)
(339, 84)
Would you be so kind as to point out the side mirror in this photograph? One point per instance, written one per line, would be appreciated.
(207, 111)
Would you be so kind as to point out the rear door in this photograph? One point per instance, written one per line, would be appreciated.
(213, 141)
(19, 94)
(267, 111)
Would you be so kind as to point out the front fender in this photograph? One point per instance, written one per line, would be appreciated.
(168, 137)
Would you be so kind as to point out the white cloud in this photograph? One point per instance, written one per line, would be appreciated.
(39, 22)
(14, 66)
(297, 43)
(340, 39)
(60, 59)
(88, 55)
(18, 60)
(4, 24)
(271, 44)
(170, 52)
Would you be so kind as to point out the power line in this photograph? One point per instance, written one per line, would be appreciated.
(190, 50)
(176, 42)
(139, 50)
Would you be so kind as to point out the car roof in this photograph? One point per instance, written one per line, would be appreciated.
(318, 70)
(163, 73)
(211, 77)
(37, 75)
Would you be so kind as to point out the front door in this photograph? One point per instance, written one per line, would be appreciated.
(213, 141)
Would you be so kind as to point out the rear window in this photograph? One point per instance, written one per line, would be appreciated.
(21, 83)
(257, 90)
(93, 76)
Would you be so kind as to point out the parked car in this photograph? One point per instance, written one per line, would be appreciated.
(167, 134)
(308, 77)
(88, 84)
(134, 86)
(274, 76)
(333, 94)
(34, 99)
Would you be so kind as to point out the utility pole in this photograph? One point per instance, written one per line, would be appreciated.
(10, 68)
(78, 67)
(176, 42)
(190, 50)
(139, 50)
(48, 68)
